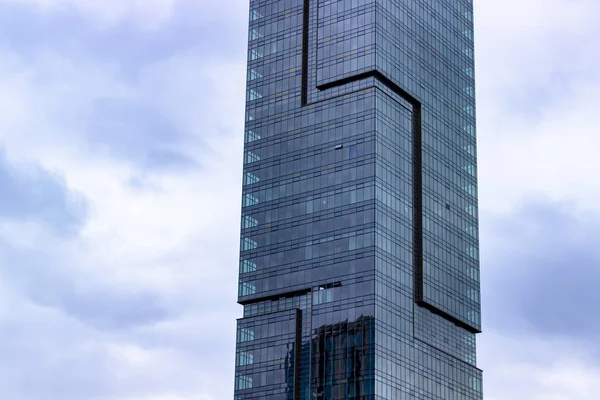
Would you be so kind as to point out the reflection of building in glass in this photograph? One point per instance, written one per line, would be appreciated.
(359, 205)
(342, 359)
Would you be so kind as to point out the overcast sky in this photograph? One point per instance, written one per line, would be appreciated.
(121, 133)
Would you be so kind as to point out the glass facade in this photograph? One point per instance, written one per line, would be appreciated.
(359, 271)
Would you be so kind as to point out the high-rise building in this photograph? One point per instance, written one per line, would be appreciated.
(359, 271)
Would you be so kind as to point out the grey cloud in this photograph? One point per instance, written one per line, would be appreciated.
(109, 309)
(541, 268)
(140, 131)
(48, 356)
(41, 197)
(50, 367)
(125, 44)
(56, 338)
(139, 134)
(50, 279)
(169, 159)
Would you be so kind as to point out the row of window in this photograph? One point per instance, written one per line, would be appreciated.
(325, 247)
(411, 361)
(306, 206)
(399, 246)
(446, 232)
(340, 156)
(442, 337)
(307, 228)
(267, 353)
(302, 184)
(303, 272)
(290, 267)
(255, 380)
(466, 275)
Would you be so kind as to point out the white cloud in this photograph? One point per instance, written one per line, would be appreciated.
(538, 95)
(526, 368)
(179, 242)
(186, 89)
(555, 156)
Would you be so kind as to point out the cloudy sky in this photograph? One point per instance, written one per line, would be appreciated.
(120, 175)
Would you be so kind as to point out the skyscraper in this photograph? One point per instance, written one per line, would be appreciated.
(359, 271)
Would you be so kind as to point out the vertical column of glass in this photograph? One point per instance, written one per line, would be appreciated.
(266, 365)
(271, 359)
(425, 48)
(449, 175)
(342, 247)
(394, 289)
(272, 94)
